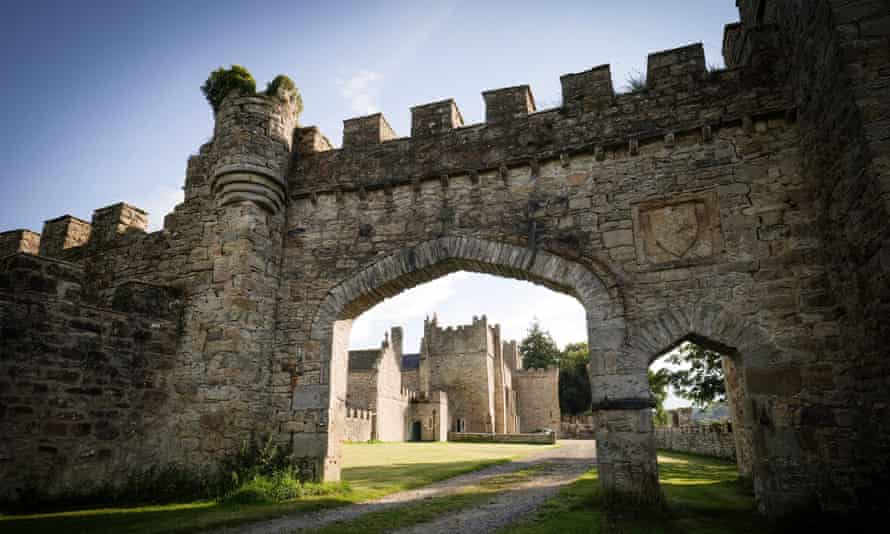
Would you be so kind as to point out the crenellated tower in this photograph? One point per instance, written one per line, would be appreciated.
(252, 141)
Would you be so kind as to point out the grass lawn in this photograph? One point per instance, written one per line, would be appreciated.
(372, 470)
(703, 495)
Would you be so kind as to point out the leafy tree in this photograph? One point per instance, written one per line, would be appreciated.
(574, 382)
(538, 348)
(703, 381)
(658, 383)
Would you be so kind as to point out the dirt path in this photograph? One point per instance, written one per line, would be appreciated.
(563, 465)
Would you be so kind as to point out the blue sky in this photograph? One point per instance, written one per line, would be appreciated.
(101, 100)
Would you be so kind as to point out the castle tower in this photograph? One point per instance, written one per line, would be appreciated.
(233, 321)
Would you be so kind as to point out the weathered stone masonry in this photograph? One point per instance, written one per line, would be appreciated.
(745, 209)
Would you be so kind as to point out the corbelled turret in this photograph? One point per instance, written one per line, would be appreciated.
(252, 140)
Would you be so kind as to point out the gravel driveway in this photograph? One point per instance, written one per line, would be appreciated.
(564, 464)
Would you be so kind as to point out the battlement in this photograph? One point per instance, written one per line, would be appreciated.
(533, 373)
(681, 99)
(409, 394)
(435, 118)
(68, 232)
(666, 71)
(117, 219)
(359, 413)
(63, 233)
(16, 241)
(368, 130)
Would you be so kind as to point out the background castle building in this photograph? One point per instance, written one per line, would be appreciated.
(469, 367)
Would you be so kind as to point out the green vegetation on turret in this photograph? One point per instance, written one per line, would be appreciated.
(223, 81)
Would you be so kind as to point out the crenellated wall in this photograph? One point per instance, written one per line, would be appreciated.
(359, 425)
(15, 241)
(745, 209)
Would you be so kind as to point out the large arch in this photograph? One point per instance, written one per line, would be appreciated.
(625, 447)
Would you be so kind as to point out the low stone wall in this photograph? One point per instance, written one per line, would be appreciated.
(576, 427)
(503, 438)
(707, 440)
(359, 425)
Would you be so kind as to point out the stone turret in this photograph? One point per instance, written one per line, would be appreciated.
(252, 141)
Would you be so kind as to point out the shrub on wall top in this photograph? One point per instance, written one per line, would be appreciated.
(222, 81)
(280, 81)
(283, 82)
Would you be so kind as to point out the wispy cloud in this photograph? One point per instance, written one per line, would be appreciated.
(361, 91)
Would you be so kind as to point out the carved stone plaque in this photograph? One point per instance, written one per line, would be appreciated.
(678, 229)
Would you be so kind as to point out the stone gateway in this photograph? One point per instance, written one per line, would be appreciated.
(745, 209)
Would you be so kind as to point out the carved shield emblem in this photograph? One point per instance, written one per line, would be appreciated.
(675, 228)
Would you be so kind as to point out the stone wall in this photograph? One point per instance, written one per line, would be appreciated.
(359, 425)
(82, 387)
(488, 437)
(537, 397)
(707, 440)
(577, 427)
(837, 56)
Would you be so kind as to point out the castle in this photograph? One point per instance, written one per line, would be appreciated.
(474, 380)
(746, 209)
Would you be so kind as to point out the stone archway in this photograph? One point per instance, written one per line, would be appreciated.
(747, 350)
(625, 448)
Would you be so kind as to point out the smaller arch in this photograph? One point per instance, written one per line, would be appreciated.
(743, 343)
(710, 325)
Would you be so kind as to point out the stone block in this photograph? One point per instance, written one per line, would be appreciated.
(617, 238)
(435, 119)
(16, 241)
(366, 131)
(63, 233)
(115, 220)
(508, 103)
(587, 91)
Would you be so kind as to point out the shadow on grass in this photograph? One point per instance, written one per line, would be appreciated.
(702, 494)
(151, 519)
(367, 483)
(399, 477)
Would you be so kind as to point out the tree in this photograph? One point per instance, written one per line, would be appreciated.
(574, 382)
(703, 381)
(658, 383)
(538, 349)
